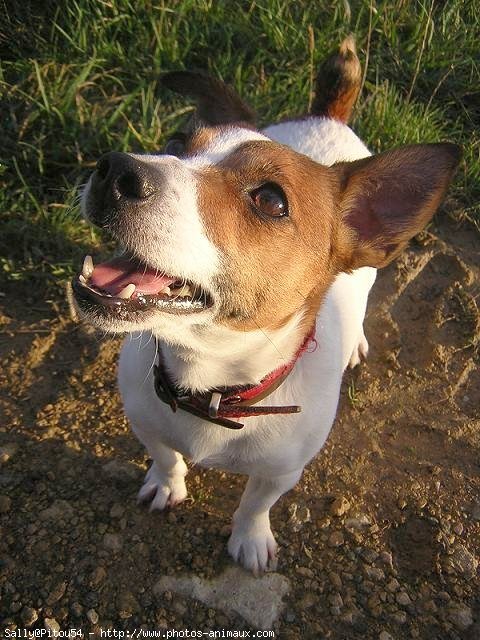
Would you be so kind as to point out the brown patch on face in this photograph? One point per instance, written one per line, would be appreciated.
(273, 267)
(338, 83)
(339, 219)
(200, 139)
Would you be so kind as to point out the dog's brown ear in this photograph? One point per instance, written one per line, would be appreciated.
(338, 83)
(217, 102)
(386, 199)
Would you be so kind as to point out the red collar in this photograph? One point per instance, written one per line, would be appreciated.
(219, 405)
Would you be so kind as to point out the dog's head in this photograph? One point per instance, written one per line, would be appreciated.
(228, 227)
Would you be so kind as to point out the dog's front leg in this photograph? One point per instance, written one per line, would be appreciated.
(252, 542)
(164, 484)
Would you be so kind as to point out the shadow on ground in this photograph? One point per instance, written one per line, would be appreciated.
(382, 533)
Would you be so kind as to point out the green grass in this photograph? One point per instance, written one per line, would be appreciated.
(79, 78)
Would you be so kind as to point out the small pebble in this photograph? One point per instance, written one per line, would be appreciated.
(421, 503)
(5, 504)
(117, 510)
(357, 523)
(443, 596)
(336, 539)
(386, 558)
(429, 605)
(374, 573)
(289, 616)
(335, 580)
(384, 635)
(59, 510)
(29, 616)
(336, 600)
(348, 617)
(92, 616)
(308, 600)
(400, 617)
(7, 451)
(52, 626)
(476, 512)
(113, 542)
(339, 507)
(97, 576)
(299, 515)
(56, 593)
(305, 572)
(393, 585)
(127, 605)
(403, 598)
(462, 617)
(367, 554)
(463, 562)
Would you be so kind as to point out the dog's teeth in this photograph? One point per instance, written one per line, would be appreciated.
(87, 268)
(183, 292)
(166, 290)
(82, 279)
(126, 292)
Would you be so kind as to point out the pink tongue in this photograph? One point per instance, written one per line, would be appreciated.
(114, 275)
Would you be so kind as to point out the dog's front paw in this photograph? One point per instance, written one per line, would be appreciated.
(254, 547)
(359, 352)
(162, 490)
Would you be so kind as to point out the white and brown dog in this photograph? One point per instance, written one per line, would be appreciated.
(249, 256)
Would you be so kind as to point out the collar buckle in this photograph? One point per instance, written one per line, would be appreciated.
(232, 402)
(214, 405)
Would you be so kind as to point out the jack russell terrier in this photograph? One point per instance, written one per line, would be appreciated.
(248, 255)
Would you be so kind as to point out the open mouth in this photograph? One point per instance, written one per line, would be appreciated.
(126, 284)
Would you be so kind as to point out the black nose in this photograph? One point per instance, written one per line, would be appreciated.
(121, 182)
(126, 176)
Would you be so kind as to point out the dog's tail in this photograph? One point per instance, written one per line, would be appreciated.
(338, 83)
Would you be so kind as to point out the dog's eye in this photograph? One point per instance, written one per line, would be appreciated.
(175, 146)
(270, 200)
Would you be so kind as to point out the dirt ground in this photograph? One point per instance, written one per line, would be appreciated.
(381, 538)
